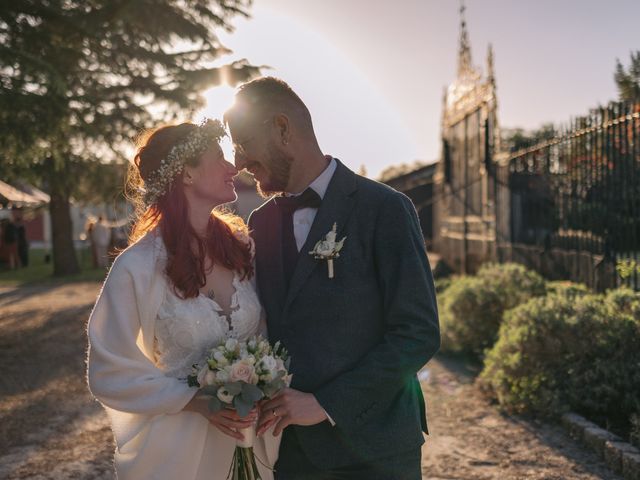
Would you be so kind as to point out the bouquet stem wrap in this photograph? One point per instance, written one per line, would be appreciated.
(243, 465)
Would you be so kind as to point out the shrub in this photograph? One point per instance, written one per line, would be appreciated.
(442, 284)
(471, 308)
(567, 289)
(564, 352)
(634, 436)
(525, 367)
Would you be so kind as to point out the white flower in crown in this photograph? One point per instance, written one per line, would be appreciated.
(328, 249)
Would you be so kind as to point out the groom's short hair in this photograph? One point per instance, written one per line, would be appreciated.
(266, 96)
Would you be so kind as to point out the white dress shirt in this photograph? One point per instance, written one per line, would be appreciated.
(303, 218)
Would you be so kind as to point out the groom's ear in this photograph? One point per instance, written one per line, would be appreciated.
(283, 127)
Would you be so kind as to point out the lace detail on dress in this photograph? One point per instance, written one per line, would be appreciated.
(186, 329)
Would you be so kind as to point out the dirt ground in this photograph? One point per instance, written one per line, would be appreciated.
(52, 429)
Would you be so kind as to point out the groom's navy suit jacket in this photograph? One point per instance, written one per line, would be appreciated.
(356, 340)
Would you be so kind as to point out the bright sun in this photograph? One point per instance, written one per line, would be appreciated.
(218, 99)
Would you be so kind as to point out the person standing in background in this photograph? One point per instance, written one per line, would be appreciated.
(101, 237)
(10, 244)
(21, 234)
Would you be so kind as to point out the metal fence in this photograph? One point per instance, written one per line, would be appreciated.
(580, 191)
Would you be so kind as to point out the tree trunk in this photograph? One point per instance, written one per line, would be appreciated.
(65, 261)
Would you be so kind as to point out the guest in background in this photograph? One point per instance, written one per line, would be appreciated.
(90, 225)
(21, 234)
(101, 236)
(10, 244)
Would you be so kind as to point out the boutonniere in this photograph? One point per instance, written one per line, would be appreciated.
(328, 249)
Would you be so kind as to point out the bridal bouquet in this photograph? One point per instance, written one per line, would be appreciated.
(237, 375)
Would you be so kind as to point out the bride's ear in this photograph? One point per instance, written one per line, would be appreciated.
(187, 177)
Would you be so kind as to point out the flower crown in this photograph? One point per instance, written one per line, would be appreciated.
(196, 143)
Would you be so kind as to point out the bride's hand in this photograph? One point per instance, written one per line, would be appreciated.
(226, 420)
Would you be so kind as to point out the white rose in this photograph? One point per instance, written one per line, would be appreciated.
(280, 365)
(231, 344)
(325, 249)
(223, 376)
(224, 395)
(221, 359)
(269, 363)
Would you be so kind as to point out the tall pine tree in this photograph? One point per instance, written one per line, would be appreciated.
(80, 78)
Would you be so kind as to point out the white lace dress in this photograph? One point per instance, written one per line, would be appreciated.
(143, 340)
(185, 330)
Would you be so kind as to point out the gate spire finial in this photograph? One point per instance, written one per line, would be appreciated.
(464, 54)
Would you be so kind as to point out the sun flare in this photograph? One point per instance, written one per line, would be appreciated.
(218, 99)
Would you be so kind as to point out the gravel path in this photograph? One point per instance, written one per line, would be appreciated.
(52, 429)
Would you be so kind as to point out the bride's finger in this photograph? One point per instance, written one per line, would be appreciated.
(235, 424)
(228, 431)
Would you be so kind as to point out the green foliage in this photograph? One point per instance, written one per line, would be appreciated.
(626, 268)
(442, 284)
(79, 80)
(628, 80)
(566, 351)
(40, 271)
(567, 289)
(471, 308)
(518, 138)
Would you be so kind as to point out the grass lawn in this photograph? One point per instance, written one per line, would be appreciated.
(39, 271)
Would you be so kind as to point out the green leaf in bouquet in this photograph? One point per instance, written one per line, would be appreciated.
(242, 406)
(234, 388)
(273, 387)
(251, 393)
(287, 363)
(215, 404)
(209, 390)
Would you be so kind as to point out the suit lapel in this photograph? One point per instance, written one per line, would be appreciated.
(273, 282)
(336, 208)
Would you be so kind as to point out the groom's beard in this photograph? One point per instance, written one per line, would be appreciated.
(278, 166)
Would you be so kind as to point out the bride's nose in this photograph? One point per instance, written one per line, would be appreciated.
(231, 168)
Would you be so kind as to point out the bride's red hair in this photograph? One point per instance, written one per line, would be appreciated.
(186, 250)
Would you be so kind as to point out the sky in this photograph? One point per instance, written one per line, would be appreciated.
(373, 72)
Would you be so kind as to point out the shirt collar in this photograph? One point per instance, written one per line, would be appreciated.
(321, 183)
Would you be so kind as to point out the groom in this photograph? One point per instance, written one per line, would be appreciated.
(357, 338)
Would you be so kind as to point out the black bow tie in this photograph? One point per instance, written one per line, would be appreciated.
(308, 199)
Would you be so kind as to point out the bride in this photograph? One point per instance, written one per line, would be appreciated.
(183, 287)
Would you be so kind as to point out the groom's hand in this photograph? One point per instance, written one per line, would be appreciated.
(290, 407)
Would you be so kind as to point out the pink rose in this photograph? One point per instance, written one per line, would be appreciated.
(242, 372)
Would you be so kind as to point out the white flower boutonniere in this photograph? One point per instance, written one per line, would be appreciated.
(328, 249)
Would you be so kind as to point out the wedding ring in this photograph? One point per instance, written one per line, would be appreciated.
(274, 412)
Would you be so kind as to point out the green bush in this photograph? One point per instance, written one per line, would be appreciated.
(471, 308)
(567, 289)
(564, 351)
(442, 284)
(634, 436)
